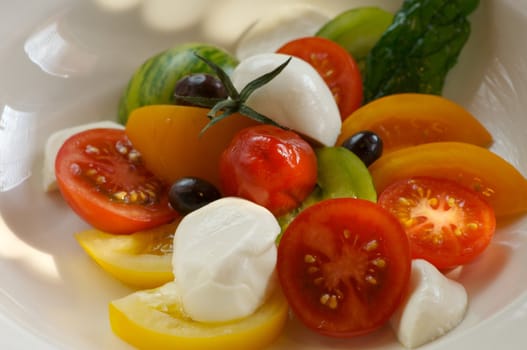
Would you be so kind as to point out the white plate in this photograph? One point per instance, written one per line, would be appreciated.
(65, 62)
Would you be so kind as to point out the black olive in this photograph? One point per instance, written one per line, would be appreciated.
(367, 145)
(198, 85)
(190, 193)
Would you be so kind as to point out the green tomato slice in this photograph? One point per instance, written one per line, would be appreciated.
(358, 29)
(154, 81)
(341, 174)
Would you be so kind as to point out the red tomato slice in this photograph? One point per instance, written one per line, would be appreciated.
(446, 223)
(336, 66)
(344, 265)
(102, 178)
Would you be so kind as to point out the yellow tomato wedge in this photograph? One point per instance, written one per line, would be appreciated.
(141, 260)
(171, 144)
(409, 119)
(154, 320)
(476, 167)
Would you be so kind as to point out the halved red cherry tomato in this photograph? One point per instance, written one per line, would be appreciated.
(102, 178)
(446, 223)
(270, 166)
(344, 265)
(336, 66)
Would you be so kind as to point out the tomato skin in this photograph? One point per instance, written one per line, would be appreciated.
(352, 251)
(478, 168)
(408, 119)
(270, 166)
(142, 260)
(336, 66)
(153, 319)
(447, 224)
(100, 176)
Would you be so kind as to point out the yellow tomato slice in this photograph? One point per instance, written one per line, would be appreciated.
(141, 260)
(154, 320)
(408, 119)
(476, 167)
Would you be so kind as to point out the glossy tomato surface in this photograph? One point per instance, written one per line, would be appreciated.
(270, 166)
(344, 265)
(335, 65)
(477, 168)
(446, 223)
(408, 119)
(103, 179)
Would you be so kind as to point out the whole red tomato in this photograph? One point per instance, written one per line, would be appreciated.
(270, 166)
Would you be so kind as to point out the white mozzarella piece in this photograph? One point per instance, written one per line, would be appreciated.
(297, 98)
(435, 305)
(224, 259)
(56, 140)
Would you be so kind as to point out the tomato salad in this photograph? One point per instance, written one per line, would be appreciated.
(351, 197)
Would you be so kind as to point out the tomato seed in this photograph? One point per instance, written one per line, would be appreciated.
(472, 226)
(379, 262)
(433, 202)
(100, 180)
(405, 201)
(407, 222)
(133, 196)
(134, 156)
(308, 258)
(91, 150)
(371, 245)
(75, 169)
(120, 196)
(122, 149)
(371, 280)
(333, 302)
(330, 301)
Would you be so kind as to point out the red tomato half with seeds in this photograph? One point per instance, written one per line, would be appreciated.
(102, 178)
(270, 166)
(344, 266)
(335, 65)
(447, 223)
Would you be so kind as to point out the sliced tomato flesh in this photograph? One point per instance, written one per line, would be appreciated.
(344, 265)
(102, 178)
(446, 223)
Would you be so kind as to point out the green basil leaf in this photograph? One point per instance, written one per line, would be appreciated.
(419, 48)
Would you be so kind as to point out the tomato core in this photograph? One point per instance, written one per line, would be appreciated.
(446, 223)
